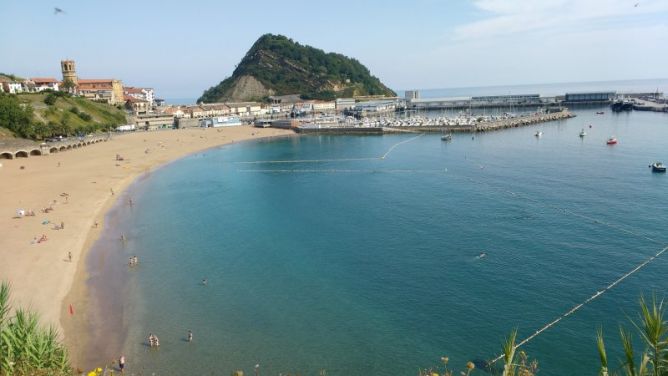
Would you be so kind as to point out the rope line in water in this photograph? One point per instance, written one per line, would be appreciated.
(399, 143)
(387, 153)
(587, 301)
(343, 171)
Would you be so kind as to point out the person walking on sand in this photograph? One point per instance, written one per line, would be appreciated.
(69, 256)
(62, 225)
(121, 363)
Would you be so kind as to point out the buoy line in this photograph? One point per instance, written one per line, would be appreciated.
(587, 301)
(343, 171)
(387, 153)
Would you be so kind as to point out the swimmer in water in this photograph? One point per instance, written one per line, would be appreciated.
(481, 255)
(204, 281)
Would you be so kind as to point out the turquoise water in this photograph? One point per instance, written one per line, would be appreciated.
(369, 266)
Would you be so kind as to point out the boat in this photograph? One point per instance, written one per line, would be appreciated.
(446, 137)
(583, 133)
(658, 167)
(611, 141)
(621, 105)
(538, 134)
(600, 112)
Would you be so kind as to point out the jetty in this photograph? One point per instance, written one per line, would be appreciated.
(422, 124)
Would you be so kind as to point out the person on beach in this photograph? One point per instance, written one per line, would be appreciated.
(112, 191)
(62, 225)
(96, 224)
(69, 256)
(190, 335)
(121, 363)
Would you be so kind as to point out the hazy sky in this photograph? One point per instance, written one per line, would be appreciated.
(182, 47)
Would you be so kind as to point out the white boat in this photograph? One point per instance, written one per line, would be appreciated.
(583, 133)
(538, 134)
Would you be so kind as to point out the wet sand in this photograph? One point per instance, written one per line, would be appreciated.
(41, 276)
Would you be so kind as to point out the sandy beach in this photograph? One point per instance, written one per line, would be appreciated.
(78, 185)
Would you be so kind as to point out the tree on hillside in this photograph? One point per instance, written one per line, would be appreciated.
(68, 85)
(15, 116)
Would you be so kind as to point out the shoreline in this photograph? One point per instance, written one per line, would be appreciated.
(41, 276)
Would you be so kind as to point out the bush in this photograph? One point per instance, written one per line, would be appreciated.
(74, 110)
(50, 99)
(84, 116)
(26, 347)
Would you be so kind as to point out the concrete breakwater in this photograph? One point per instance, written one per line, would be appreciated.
(483, 126)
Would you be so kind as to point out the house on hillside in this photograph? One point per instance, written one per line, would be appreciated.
(103, 90)
(45, 83)
(140, 93)
(11, 86)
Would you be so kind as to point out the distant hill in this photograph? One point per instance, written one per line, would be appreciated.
(276, 65)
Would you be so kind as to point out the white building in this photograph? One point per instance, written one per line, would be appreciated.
(142, 93)
(45, 83)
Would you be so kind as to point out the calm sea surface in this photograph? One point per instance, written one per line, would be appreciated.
(369, 266)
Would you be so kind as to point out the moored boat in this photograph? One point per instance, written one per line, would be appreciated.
(583, 133)
(611, 141)
(658, 167)
(446, 137)
(600, 112)
(538, 134)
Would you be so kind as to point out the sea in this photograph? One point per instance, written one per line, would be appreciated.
(322, 258)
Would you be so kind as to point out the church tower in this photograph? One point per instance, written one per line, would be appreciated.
(69, 71)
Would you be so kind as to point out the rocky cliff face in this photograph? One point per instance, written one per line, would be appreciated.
(276, 65)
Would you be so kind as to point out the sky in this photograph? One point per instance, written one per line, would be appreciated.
(181, 48)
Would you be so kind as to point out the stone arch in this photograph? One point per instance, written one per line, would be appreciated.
(6, 155)
(35, 152)
(21, 154)
(53, 150)
(62, 148)
(69, 147)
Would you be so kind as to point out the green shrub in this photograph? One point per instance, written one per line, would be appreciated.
(50, 99)
(27, 348)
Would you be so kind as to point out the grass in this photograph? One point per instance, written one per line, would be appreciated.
(100, 113)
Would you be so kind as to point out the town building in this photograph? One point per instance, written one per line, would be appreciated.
(343, 104)
(45, 83)
(150, 122)
(103, 90)
(323, 106)
(140, 93)
(605, 96)
(11, 86)
(137, 106)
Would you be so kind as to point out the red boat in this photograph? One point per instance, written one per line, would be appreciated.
(611, 141)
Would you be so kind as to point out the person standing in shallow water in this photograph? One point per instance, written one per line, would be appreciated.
(190, 335)
(121, 363)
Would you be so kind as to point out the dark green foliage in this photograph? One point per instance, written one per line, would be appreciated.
(84, 116)
(287, 67)
(50, 99)
(15, 116)
(74, 110)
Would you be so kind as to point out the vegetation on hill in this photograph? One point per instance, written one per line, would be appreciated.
(10, 77)
(284, 67)
(41, 115)
(26, 348)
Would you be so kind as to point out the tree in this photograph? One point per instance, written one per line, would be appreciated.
(68, 85)
(50, 99)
